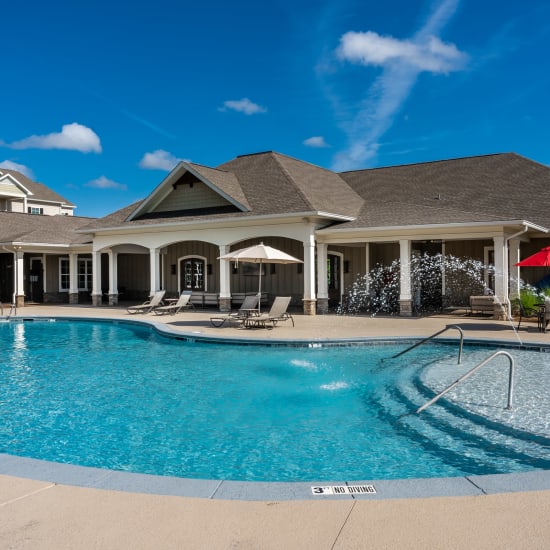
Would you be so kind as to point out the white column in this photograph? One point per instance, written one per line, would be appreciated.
(322, 275)
(73, 274)
(154, 263)
(405, 295)
(367, 265)
(113, 273)
(44, 273)
(225, 271)
(501, 274)
(19, 286)
(309, 268)
(97, 297)
(514, 273)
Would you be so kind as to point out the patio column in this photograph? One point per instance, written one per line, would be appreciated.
(19, 286)
(502, 302)
(309, 276)
(154, 264)
(514, 273)
(405, 296)
(225, 280)
(322, 278)
(113, 278)
(97, 297)
(73, 278)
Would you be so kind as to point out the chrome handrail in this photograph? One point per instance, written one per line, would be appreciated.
(472, 371)
(433, 336)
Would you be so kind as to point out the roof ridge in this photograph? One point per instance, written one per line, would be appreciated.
(428, 162)
(304, 197)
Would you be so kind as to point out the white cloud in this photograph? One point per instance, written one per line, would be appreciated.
(104, 183)
(9, 165)
(316, 141)
(73, 137)
(243, 105)
(402, 61)
(369, 48)
(159, 160)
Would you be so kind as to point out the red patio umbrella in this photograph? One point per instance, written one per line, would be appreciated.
(538, 259)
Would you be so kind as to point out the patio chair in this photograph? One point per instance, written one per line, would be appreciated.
(278, 312)
(149, 305)
(527, 312)
(177, 305)
(247, 309)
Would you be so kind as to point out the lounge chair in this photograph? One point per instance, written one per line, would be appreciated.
(278, 312)
(148, 305)
(181, 303)
(247, 309)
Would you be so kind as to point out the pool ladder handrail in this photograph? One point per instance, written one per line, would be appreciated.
(448, 327)
(473, 371)
(13, 310)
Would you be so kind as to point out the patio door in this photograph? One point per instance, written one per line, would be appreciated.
(334, 279)
(36, 280)
(192, 272)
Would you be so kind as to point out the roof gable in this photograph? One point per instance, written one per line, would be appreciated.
(191, 188)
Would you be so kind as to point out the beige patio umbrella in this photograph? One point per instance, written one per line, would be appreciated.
(260, 254)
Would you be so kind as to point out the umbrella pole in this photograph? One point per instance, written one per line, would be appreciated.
(260, 289)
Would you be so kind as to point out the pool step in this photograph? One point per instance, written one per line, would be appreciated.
(468, 442)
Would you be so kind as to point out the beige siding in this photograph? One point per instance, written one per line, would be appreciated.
(9, 189)
(185, 197)
(52, 272)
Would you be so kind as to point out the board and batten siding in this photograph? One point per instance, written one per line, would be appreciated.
(185, 197)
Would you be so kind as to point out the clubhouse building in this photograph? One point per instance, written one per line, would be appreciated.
(492, 208)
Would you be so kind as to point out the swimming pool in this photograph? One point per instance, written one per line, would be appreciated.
(123, 397)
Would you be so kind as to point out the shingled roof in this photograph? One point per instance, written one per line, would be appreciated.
(34, 229)
(39, 191)
(487, 188)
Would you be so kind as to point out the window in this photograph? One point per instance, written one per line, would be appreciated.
(35, 210)
(64, 278)
(85, 274)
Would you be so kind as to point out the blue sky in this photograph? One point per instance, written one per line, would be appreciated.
(99, 100)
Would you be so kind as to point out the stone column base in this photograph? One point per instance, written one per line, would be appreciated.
(309, 307)
(113, 299)
(224, 304)
(405, 308)
(500, 311)
(97, 300)
(19, 301)
(322, 306)
(73, 298)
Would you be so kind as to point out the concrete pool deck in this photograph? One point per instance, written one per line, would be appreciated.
(487, 512)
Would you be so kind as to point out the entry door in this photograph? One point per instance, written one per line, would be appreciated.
(334, 270)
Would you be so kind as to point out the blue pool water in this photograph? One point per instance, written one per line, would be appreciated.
(123, 397)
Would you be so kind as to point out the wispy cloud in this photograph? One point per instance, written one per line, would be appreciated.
(105, 183)
(316, 142)
(402, 61)
(72, 137)
(159, 160)
(243, 105)
(10, 165)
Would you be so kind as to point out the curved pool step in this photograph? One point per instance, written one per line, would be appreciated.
(468, 443)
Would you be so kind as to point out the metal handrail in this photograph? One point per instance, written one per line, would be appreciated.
(472, 371)
(433, 336)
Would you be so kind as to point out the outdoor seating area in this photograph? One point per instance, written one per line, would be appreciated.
(278, 312)
(149, 305)
(249, 307)
(175, 305)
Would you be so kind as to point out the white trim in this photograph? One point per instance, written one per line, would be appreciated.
(340, 271)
